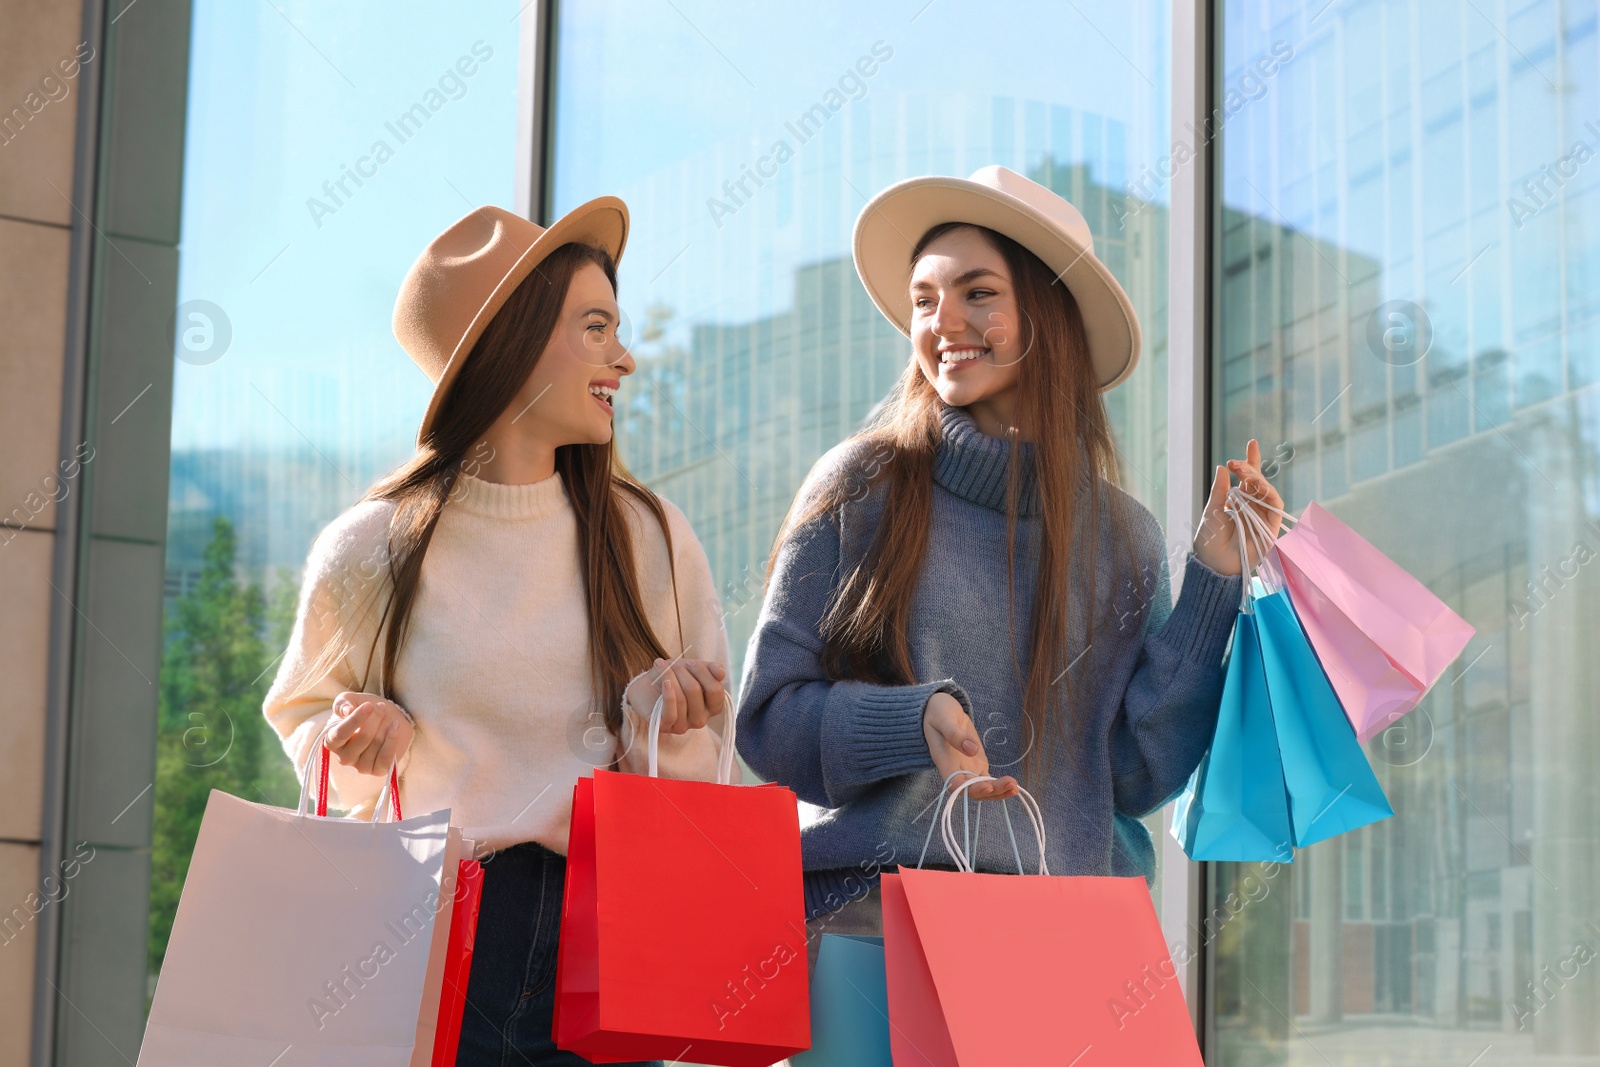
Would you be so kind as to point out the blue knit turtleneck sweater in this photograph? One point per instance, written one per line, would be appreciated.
(857, 748)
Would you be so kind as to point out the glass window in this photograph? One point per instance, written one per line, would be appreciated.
(326, 145)
(746, 148)
(1407, 315)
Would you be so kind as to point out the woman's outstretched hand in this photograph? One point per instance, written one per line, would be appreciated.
(1216, 544)
(372, 733)
(954, 744)
(691, 690)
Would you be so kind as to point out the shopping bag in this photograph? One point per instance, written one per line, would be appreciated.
(324, 936)
(1331, 787)
(849, 1005)
(1236, 806)
(1087, 976)
(683, 924)
(458, 962)
(1380, 634)
(462, 894)
(1325, 777)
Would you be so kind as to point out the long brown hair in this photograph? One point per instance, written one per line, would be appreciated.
(621, 640)
(1060, 409)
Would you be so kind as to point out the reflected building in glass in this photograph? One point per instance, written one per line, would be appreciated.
(1393, 307)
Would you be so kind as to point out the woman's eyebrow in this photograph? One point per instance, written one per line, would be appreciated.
(598, 311)
(971, 275)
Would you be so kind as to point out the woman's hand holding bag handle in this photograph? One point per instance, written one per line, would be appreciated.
(970, 829)
(725, 758)
(369, 732)
(693, 691)
(391, 787)
(1218, 539)
(955, 747)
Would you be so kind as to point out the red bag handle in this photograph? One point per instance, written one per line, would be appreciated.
(325, 762)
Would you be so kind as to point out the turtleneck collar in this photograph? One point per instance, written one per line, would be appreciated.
(973, 465)
(533, 500)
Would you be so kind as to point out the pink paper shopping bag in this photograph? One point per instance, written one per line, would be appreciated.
(1381, 636)
(1001, 970)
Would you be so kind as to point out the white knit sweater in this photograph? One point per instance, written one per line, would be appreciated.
(494, 669)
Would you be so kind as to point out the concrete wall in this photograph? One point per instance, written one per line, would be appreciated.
(92, 100)
(38, 133)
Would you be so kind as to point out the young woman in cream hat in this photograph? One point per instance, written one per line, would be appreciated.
(500, 613)
(963, 586)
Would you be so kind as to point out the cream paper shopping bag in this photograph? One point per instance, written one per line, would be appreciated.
(303, 940)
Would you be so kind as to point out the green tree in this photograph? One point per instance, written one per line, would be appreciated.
(221, 643)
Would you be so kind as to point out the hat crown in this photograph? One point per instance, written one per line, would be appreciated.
(1038, 198)
(445, 288)
(479, 234)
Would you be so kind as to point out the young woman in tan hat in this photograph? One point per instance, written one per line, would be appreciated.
(963, 586)
(501, 613)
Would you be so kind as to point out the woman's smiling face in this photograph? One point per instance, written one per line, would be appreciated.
(571, 389)
(964, 325)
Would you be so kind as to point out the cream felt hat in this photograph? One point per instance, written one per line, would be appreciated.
(1025, 211)
(467, 273)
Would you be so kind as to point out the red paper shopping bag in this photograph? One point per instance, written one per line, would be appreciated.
(1087, 976)
(458, 962)
(683, 925)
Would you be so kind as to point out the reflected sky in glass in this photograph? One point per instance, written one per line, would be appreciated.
(308, 193)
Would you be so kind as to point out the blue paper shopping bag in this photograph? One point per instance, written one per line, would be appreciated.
(1332, 789)
(1235, 806)
(849, 1005)
(1284, 765)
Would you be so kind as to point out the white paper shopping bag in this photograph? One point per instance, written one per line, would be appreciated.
(303, 940)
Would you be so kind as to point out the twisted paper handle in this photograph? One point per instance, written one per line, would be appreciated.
(724, 758)
(935, 821)
(947, 828)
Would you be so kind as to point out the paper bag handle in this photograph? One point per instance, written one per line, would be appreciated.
(1238, 491)
(391, 787)
(1251, 530)
(945, 819)
(1249, 524)
(1030, 806)
(724, 758)
(1245, 599)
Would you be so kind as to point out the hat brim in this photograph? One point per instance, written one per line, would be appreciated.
(894, 220)
(602, 223)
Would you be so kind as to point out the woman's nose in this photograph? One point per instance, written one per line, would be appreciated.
(626, 364)
(948, 322)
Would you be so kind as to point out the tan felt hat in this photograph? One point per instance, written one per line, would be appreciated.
(1025, 211)
(468, 273)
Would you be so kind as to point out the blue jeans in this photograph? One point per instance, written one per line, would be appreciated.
(511, 992)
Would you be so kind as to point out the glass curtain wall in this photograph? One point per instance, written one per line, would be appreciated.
(327, 144)
(1407, 291)
(746, 149)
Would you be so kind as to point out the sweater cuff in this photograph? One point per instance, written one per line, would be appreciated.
(1202, 621)
(882, 735)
